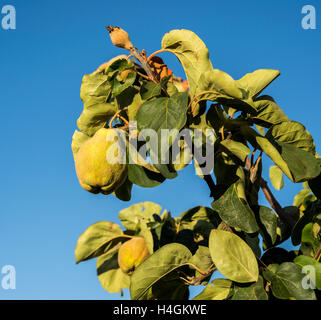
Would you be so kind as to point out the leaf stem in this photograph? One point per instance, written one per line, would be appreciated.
(157, 52)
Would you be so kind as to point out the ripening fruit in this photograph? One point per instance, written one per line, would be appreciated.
(96, 171)
(131, 254)
(119, 37)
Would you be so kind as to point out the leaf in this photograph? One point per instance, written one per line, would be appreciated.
(309, 237)
(303, 261)
(146, 233)
(94, 92)
(302, 164)
(298, 164)
(191, 52)
(169, 287)
(110, 275)
(253, 241)
(139, 213)
(143, 177)
(233, 257)
(292, 133)
(257, 81)
(267, 221)
(254, 291)
(150, 89)
(238, 149)
(202, 259)
(199, 213)
(276, 177)
(219, 289)
(286, 282)
(155, 267)
(268, 112)
(120, 75)
(78, 139)
(124, 192)
(315, 185)
(300, 197)
(262, 143)
(220, 83)
(94, 240)
(235, 211)
(163, 113)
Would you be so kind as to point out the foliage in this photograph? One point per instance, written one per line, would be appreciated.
(247, 127)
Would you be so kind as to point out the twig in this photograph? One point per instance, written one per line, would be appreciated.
(272, 200)
(144, 64)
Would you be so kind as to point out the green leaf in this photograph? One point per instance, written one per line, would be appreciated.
(202, 259)
(110, 275)
(292, 133)
(124, 192)
(143, 177)
(157, 115)
(78, 139)
(268, 148)
(192, 216)
(268, 112)
(119, 79)
(139, 213)
(233, 257)
(267, 221)
(221, 84)
(276, 177)
(95, 239)
(95, 92)
(254, 291)
(235, 211)
(165, 260)
(315, 185)
(308, 236)
(191, 52)
(169, 287)
(302, 164)
(303, 261)
(238, 149)
(163, 113)
(219, 289)
(146, 233)
(300, 197)
(257, 81)
(286, 282)
(150, 89)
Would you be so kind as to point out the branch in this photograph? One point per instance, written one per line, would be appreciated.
(275, 205)
(211, 185)
(144, 64)
(287, 219)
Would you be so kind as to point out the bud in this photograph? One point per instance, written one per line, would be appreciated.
(119, 37)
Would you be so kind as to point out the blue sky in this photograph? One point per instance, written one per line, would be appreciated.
(43, 209)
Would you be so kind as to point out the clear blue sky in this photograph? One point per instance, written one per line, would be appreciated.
(43, 209)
